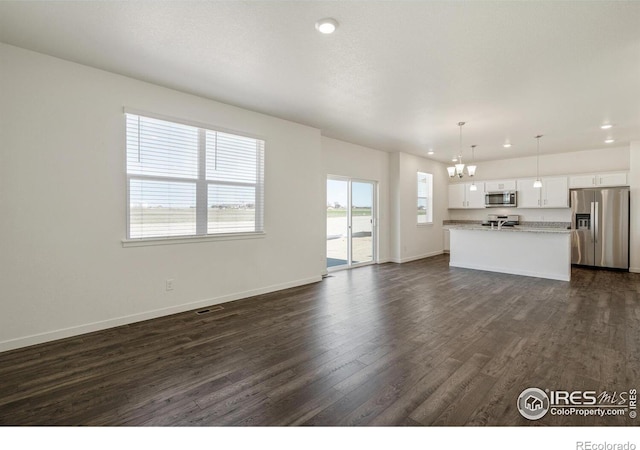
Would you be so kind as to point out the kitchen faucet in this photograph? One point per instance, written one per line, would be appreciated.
(501, 222)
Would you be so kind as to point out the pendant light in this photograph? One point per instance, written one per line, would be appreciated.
(471, 170)
(459, 167)
(538, 183)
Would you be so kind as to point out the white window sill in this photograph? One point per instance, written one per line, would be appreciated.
(190, 239)
(427, 224)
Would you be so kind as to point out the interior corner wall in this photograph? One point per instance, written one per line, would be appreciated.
(413, 241)
(354, 161)
(634, 194)
(62, 197)
(395, 222)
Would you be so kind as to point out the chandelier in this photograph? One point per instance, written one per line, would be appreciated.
(458, 169)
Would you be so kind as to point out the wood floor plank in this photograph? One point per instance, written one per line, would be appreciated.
(455, 387)
(415, 395)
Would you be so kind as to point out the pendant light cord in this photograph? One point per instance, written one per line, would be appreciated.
(460, 154)
(538, 157)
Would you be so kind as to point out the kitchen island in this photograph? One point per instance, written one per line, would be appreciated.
(533, 252)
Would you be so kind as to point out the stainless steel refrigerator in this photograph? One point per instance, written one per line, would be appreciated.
(600, 224)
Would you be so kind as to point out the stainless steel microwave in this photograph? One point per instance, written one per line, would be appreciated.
(501, 199)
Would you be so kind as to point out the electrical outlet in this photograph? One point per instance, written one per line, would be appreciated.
(169, 285)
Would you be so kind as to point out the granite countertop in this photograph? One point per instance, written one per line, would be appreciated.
(517, 228)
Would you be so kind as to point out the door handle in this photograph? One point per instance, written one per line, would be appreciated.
(593, 221)
(595, 231)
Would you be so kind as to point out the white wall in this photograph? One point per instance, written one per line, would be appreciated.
(62, 196)
(634, 193)
(354, 161)
(586, 161)
(411, 241)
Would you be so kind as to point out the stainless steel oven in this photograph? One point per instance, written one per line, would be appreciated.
(501, 199)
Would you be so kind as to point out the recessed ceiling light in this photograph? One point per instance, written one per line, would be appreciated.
(606, 126)
(507, 145)
(609, 141)
(326, 26)
(430, 152)
(454, 160)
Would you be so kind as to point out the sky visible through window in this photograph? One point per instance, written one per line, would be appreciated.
(337, 192)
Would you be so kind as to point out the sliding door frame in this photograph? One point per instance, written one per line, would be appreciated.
(374, 222)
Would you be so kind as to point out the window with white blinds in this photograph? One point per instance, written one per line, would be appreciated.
(425, 198)
(184, 180)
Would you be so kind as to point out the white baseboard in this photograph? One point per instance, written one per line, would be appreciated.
(634, 269)
(417, 257)
(48, 336)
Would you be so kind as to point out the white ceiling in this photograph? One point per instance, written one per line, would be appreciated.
(396, 76)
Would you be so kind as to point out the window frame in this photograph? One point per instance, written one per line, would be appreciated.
(201, 183)
(429, 199)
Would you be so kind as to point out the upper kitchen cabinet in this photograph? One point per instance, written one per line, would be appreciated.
(553, 194)
(462, 197)
(500, 185)
(598, 180)
(528, 196)
(475, 199)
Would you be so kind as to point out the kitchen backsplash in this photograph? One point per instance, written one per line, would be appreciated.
(526, 215)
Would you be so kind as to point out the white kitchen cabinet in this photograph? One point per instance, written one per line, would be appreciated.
(598, 180)
(475, 199)
(500, 185)
(553, 194)
(612, 179)
(457, 197)
(528, 196)
(582, 181)
(462, 197)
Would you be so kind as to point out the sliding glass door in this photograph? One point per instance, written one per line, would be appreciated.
(361, 222)
(337, 222)
(350, 222)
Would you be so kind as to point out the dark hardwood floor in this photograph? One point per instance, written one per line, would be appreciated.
(412, 344)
